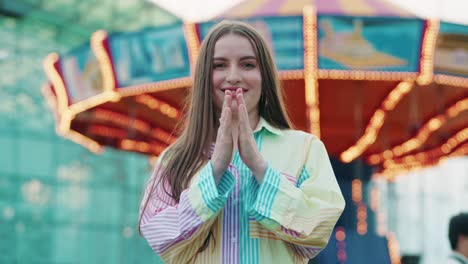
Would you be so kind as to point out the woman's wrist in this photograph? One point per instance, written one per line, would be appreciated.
(217, 170)
(258, 169)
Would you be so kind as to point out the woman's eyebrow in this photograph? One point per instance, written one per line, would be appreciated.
(248, 57)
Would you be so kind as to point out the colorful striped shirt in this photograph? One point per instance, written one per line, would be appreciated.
(287, 218)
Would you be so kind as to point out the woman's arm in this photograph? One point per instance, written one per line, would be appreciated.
(176, 231)
(302, 213)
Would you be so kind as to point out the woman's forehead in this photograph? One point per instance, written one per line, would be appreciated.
(233, 45)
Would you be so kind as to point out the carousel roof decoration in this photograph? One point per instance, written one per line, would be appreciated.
(368, 78)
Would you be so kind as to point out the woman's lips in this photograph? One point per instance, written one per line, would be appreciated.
(233, 89)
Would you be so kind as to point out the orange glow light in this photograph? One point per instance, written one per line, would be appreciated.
(291, 75)
(97, 45)
(107, 131)
(374, 199)
(393, 249)
(340, 234)
(57, 81)
(422, 135)
(451, 80)
(356, 187)
(141, 146)
(163, 136)
(193, 42)
(122, 120)
(427, 52)
(51, 99)
(155, 87)
(81, 139)
(376, 122)
(365, 75)
(362, 219)
(160, 105)
(310, 69)
(422, 160)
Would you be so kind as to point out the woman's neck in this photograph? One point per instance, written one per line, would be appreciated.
(254, 118)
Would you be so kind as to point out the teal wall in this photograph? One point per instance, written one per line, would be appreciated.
(59, 203)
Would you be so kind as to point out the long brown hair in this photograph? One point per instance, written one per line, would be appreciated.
(189, 153)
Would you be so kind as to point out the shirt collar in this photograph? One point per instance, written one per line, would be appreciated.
(459, 256)
(262, 123)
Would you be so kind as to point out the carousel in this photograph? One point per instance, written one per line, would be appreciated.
(372, 83)
(376, 84)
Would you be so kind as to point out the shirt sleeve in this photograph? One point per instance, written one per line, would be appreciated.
(176, 231)
(302, 212)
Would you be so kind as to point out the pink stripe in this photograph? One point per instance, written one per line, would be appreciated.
(290, 232)
(231, 227)
(165, 224)
(381, 8)
(328, 6)
(270, 8)
(290, 178)
(306, 252)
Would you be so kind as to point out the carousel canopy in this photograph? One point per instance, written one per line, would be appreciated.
(256, 8)
(453, 11)
(371, 83)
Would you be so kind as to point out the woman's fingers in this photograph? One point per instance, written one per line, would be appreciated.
(227, 98)
(225, 103)
(226, 109)
(227, 120)
(244, 122)
(222, 154)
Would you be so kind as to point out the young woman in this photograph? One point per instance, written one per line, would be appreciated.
(239, 185)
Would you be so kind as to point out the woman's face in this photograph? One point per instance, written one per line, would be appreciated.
(235, 65)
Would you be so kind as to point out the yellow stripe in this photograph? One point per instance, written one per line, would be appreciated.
(264, 236)
(395, 9)
(213, 253)
(320, 219)
(356, 7)
(183, 250)
(293, 7)
(246, 9)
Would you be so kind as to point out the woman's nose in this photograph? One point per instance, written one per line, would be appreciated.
(233, 76)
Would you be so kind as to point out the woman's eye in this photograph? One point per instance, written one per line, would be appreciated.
(249, 65)
(218, 65)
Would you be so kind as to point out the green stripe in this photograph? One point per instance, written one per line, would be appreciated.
(304, 176)
(249, 247)
(212, 198)
(267, 192)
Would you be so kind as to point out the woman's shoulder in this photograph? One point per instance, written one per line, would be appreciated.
(296, 133)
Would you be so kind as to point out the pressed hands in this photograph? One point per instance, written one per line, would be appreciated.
(234, 132)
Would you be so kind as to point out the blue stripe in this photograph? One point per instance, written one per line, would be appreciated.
(267, 192)
(249, 247)
(212, 198)
(303, 177)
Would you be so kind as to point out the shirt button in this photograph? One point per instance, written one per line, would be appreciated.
(262, 209)
(233, 239)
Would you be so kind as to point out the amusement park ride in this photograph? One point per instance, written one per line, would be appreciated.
(376, 84)
(371, 82)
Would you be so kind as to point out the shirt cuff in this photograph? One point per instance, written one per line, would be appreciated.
(267, 191)
(215, 196)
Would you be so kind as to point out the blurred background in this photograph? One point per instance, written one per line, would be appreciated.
(90, 92)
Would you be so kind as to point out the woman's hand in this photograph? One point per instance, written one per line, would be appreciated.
(224, 146)
(248, 149)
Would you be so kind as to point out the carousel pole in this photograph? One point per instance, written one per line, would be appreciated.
(311, 69)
